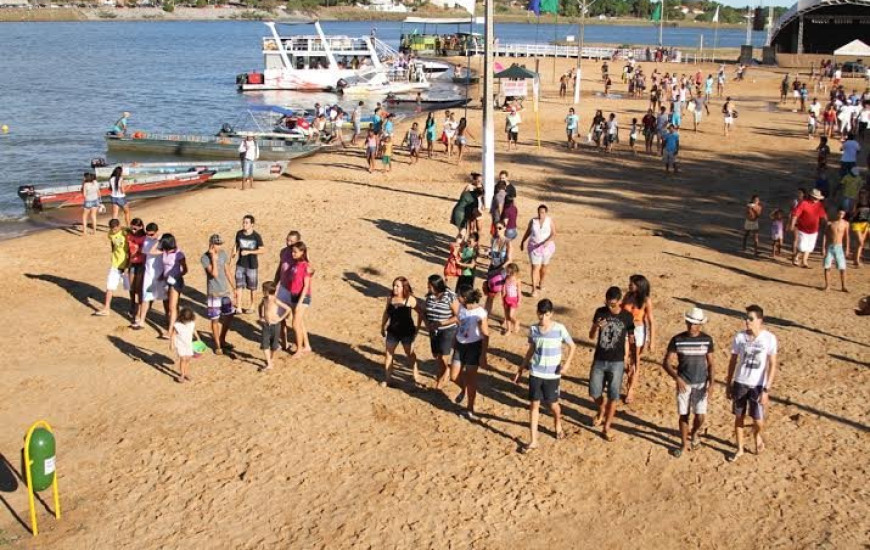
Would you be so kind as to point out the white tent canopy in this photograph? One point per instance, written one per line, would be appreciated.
(854, 48)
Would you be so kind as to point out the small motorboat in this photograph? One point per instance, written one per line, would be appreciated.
(264, 170)
(62, 196)
(464, 76)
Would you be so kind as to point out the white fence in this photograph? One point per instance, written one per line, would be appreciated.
(589, 52)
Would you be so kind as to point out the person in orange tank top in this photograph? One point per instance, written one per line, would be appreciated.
(637, 301)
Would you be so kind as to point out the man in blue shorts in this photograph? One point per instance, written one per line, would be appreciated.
(544, 361)
(613, 331)
(751, 373)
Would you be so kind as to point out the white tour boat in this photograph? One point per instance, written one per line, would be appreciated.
(318, 62)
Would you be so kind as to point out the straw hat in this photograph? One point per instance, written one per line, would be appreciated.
(816, 194)
(696, 316)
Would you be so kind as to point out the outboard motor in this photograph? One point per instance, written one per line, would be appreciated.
(27, 193)
(98, 162)
(226, 130)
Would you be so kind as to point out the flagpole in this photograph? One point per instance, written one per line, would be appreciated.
(555, 42)
(488, 111)
(661, 23)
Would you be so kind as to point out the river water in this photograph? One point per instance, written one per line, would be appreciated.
(64, 84)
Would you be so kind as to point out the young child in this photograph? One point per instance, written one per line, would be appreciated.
(414, 142)
(271, 320)
(371, 149)
(120, 261)
(812, 123)
(632, 136)
(387, 145)
(467, 262)
(824, 152)
(777, 232)
(181, 336)
(750, 224)
(510, 297)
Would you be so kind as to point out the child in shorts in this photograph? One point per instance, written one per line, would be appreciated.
(120, 262)
(271, 320)
(632, 136)
(182, 333)
(777, 232)
(824, 152)
(387, 144)
(510, 297)
(812, 123)
(750, 224)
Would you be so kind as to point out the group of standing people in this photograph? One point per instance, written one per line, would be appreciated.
(153, 268)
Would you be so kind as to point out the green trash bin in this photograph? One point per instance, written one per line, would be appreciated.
(42, 453)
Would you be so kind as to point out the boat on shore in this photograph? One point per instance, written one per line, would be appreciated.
(264, 170)
(37, 199)
(427, 103)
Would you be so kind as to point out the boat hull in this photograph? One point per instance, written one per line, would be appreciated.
(223, 170)
(190, 146)
(158, 186)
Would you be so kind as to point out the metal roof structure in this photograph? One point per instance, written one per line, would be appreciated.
(829, 23)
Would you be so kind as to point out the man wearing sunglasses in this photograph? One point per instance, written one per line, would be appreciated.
(751, 373)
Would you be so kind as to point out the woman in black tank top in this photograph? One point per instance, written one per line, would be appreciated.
(398, 326)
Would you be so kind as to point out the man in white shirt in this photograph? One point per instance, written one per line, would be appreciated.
(751, 373)
(249, 152)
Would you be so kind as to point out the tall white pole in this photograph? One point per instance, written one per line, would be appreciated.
(749, 25)
(662, 23)
(582, 32)
(488, 111)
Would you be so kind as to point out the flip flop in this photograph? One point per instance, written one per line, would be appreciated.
(560, 435)
(695, 444)
(100, 314)
(608, 436)
(733, 457)
(526, 449)
(597, 421)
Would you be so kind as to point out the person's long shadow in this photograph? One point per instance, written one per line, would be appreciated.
(346, 356)
(85, 293)
(394, 190)
(739, 271)
(849, 360)
(370, 289)
(10, 480)
(812, 410)
(775, 321)
(159, 362)
(424, 243)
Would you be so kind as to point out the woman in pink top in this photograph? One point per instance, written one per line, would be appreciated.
(300, 295)
(282, 279)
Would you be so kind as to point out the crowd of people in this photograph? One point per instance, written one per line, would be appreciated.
(459, 316)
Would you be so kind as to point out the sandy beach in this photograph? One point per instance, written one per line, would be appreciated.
(314, 454)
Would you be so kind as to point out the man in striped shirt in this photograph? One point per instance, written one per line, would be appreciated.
(692, 351)
(544, 359)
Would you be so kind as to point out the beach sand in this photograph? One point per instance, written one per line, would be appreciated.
(315, 455)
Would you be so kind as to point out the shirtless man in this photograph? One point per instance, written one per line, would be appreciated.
(750, 224)
(837, 231)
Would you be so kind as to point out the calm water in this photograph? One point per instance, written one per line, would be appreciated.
(64, 84)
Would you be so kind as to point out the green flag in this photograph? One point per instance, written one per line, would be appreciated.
(550, 6)
(657, 13)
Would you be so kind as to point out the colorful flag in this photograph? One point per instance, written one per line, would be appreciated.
(716, 16)
(550, 6)
(657, 12)
(535, 6)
